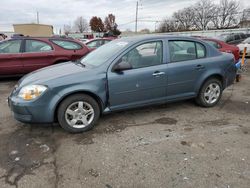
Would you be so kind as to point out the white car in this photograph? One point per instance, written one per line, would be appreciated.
(245, 43)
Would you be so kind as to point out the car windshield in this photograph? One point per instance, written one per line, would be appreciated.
(103, 53)
(246, 41)
(221, 37)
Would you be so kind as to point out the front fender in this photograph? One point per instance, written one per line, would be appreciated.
(96, 90)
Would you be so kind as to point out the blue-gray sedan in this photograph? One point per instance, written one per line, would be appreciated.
(125, 73)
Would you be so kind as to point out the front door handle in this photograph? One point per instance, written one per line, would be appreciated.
(199, 67)
(158, 73)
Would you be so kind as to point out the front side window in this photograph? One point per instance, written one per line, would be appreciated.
(69, 45)
(185, 50)
(145, 55)
(230, 38)
(37, 46)
(237, 37)
(12, 46)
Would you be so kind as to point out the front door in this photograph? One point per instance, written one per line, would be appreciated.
(144, 83)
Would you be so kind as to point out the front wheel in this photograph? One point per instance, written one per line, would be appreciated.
(210, 93)
(78, 113)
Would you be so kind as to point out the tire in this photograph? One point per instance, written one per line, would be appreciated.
(78, 113)
(210, 99)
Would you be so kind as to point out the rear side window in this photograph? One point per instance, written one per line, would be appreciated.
(37, 46)
(94, 44)
(200, 50)
(69, 45)
(11, 46)
(185, 50)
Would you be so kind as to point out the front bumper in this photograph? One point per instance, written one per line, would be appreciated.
(40, 110)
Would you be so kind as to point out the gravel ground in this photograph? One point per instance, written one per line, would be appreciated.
(172, 145)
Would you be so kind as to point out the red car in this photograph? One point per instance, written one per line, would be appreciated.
(25, 54)
(96, 43)
(224, 47)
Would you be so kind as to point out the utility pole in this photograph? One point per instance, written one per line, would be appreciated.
(136, 16)
(37, 17)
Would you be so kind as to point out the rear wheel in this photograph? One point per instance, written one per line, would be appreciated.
(210, 93)
(78, 113)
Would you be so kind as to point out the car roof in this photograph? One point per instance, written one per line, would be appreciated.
(139, 38)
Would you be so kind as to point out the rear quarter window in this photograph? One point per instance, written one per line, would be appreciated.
(68, 45)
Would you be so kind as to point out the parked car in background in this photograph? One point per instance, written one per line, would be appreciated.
(96, 43)
(233, 38)
(125, 73)
(22, 55)
(224, 47)
(245, 43)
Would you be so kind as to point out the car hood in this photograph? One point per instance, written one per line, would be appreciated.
(52, 72)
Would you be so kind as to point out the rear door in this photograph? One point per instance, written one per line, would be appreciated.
(10, 57)
(187, 64)
(37, 54)
(144, 83)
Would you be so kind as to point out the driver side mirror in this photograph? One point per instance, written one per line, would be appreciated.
(122, 66)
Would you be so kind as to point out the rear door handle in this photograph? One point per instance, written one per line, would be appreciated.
(158, 73)
(199, 67)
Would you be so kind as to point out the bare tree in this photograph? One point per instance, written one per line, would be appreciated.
(226, 14)
(204, 11)
(67, 29)
(168, 25)
(246, 14)
(81, 24)
(185, 18)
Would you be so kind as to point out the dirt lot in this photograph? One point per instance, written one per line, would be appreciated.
(173, 145)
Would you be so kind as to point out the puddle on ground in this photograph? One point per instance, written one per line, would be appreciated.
(217, 122)
(237, 107)
(166, 120)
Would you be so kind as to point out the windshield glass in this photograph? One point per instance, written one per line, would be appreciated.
(247, 40)
(103, 53)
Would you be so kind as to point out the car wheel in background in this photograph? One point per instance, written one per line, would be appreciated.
(210, 93)
(78, 113)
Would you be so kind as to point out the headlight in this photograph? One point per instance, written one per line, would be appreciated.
(31, 92)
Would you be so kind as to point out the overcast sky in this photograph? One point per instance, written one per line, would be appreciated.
(60, 12)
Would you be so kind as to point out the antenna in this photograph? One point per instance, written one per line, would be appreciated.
(37, 17)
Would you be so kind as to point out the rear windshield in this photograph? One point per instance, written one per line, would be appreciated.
(69, 45)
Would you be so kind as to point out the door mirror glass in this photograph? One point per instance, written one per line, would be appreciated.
(122, 66)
